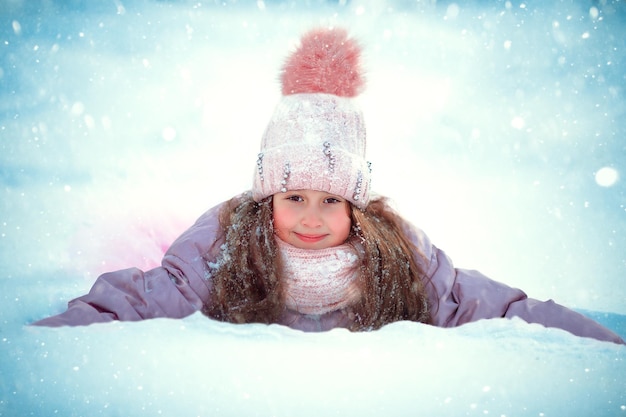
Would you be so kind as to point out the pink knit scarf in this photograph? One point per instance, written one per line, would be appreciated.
(319, 281)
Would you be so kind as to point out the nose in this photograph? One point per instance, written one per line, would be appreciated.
(311, 217)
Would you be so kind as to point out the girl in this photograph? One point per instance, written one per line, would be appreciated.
(308, 246)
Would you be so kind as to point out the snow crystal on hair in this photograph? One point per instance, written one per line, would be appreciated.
(326, 62)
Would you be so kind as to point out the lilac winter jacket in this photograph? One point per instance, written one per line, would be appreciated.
(179, 287)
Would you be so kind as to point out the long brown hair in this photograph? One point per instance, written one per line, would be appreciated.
(246, 276)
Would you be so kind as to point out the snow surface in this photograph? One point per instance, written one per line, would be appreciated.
(497, 127)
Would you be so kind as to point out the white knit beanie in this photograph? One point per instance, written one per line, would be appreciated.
(315, 139)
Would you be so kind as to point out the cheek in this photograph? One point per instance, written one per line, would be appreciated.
(347, 227)
(281, 220)
(343, 224)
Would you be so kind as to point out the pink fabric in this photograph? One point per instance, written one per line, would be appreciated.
(314, 142)
(326, 61)
(315, 139)
(319, 281)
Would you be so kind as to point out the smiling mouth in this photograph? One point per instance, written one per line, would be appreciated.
(310, 238)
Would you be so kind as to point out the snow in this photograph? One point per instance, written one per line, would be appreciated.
(497, 127)
(194, 367)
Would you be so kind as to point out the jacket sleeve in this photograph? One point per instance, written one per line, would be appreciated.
(459, 296)
(178, 288)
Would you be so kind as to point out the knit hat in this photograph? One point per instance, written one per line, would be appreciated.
(315, 139)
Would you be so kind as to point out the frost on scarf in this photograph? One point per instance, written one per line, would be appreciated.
(319, 281)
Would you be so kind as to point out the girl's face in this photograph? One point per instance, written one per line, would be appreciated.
(310, 219)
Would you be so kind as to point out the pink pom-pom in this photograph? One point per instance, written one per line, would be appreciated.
(326, 62)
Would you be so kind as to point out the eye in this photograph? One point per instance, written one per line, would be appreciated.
(332, 200)
(294, 197)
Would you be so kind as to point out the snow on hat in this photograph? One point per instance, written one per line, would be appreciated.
(315, 139)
